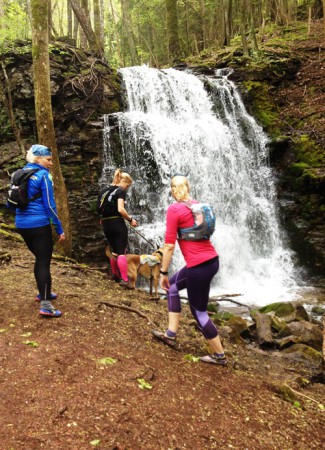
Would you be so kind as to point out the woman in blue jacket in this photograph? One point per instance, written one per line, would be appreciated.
(34, 224)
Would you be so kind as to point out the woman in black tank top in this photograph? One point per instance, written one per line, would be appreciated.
(111, 207)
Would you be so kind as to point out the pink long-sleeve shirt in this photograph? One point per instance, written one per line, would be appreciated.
(194, 252)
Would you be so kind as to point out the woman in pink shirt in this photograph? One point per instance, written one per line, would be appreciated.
(202, 264)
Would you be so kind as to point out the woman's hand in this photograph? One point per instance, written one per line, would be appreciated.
(164, 282)
(61, 237)
(134, 223)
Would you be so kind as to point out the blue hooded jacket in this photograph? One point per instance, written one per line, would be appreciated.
(42, 211)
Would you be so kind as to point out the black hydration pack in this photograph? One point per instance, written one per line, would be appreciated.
(18, 191)
(204, 223)
(106, 202)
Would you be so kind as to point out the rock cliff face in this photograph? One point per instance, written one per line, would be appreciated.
(83, 89)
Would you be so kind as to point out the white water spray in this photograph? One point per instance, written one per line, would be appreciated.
(178, 123)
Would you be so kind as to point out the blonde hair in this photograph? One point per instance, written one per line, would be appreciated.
(30, 157)
(121, 176)
(180, 188)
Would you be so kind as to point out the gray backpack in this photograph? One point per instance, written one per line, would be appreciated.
(204, 222)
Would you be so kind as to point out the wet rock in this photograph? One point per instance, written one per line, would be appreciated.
(301, 332)
(303, 354)
(240, 325)
(287, 311)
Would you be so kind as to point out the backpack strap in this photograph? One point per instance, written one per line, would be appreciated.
(109, 197)
(39, 194)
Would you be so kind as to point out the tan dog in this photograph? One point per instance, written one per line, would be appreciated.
(148, 266)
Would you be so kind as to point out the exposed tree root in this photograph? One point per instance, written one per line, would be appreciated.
(126, 308)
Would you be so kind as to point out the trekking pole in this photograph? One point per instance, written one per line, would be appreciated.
(141, 235)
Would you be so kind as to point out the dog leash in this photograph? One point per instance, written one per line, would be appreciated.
(141, 235)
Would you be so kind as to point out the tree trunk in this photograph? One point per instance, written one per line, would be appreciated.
(116, 34)
(7, 101)
(309, 21)
(252, 25)
(83, 19)
(84, 44)
(98, 23)
(43, 109)
(2, 13)
(243, 26)
(172, 30)
(69, 13)
(128, 37)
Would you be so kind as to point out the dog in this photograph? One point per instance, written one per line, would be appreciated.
(147, 266)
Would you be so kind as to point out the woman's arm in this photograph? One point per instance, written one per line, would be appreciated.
(168, 251)
(121, 209)
(49, 203)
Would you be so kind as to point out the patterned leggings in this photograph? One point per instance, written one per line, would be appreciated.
(197, 281)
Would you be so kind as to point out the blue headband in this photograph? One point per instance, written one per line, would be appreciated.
(40, 150)
(178, 175)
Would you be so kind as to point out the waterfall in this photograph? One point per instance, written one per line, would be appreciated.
(179, 123)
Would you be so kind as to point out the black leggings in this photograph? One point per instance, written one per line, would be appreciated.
(40, 243)
(116, 233)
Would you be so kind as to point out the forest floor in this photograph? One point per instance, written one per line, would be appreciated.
(97, 378)
(302, 100)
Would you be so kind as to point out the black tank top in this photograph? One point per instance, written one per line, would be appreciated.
(107, 201)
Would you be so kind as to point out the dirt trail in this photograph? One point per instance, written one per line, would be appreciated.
(58, 393)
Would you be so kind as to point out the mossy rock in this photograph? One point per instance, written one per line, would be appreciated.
(286, 393)
(304, 353)
(240, 325)
(318, 310)
(278, 324)
(281, 309)
(286, 310)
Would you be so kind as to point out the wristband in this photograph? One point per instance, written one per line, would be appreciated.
(163, 273)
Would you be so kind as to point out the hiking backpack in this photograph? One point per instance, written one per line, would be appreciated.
(18, 191)
(106, 201)
(204, 223)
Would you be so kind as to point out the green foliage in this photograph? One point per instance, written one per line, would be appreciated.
(107, 361)
(308, 152)
(263, 108)
(5, 127)
(297, 404)
(191, 358)
(14, 24)
(28, 334)
(33, 344)
(143, 384)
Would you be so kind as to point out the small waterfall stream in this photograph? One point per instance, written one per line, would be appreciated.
(179, 123)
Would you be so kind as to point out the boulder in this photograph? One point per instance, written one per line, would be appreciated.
(240, 325)
(287, 311)
(303, 354)
(301, 332)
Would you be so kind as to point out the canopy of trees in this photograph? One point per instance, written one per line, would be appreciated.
(158, 32)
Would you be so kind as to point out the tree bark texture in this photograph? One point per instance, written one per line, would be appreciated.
(84, 21)
(43, 109)
(129, 44)
(172, 30)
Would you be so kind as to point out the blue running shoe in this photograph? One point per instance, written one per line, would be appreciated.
(53, 296)
(50, 312)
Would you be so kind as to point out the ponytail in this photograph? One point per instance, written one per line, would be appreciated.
(119, 176)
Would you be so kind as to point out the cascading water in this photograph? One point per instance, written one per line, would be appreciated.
(178, 123)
